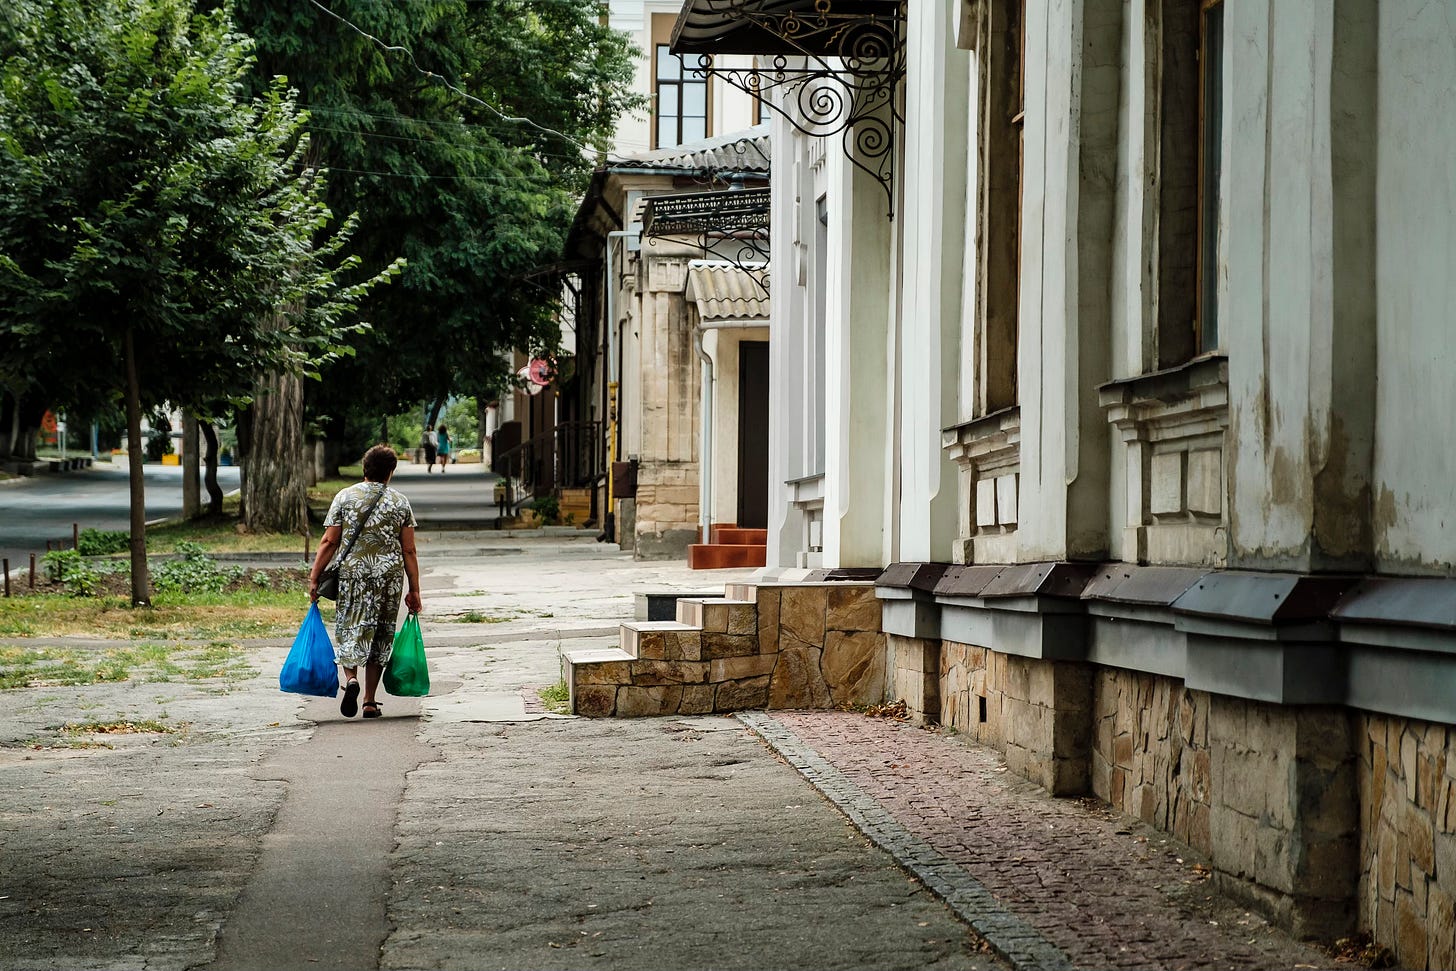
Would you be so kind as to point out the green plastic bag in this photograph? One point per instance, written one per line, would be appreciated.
(406, 675)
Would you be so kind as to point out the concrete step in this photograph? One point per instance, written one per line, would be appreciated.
(661, 640)
(718, 556)
(719, 615)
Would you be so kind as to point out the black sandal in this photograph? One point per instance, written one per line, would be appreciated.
(372, 709)
(349, 707)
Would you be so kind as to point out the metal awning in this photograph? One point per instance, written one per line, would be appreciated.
(829, 67)
(818, 28)
(730, 225)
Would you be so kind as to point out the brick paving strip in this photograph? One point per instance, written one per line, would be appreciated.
(1049, 883)
(1007, 934)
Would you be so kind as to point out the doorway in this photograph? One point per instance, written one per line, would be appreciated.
(753, 435)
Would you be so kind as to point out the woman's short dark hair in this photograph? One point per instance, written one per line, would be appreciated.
(379, 463)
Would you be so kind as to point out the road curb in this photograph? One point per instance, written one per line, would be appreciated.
(1009, 936)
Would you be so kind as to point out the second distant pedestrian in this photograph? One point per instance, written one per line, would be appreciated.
(428, 443)
(443, 446)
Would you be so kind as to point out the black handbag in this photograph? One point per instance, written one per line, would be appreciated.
(328, 585)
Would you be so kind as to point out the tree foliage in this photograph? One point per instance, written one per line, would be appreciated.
(439, 175)
(157, 216)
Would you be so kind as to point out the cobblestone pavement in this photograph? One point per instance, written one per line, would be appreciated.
(1101, 888)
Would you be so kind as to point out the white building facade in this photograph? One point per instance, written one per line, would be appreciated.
(1109, 379)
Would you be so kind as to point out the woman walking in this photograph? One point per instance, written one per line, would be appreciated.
(444, 446)
(380, 557)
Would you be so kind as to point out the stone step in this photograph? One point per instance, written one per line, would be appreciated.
(741, 591)
(661, 640)
(718, 556)
(719, 615)
(662, 604)
(592, 676)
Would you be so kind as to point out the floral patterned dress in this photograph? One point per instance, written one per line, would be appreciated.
(371, 577)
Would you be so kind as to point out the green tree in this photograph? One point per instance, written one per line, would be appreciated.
(161, 238)
(472, 174)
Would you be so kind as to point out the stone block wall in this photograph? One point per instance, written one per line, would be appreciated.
(1150, 753)
(915, 678)
(1407, 779)
(666, 514)
(1037, 713)
(829, 645)
(1267, 792)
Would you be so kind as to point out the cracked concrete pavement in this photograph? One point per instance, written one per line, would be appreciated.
(510, 839)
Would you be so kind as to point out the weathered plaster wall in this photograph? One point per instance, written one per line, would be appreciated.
(937, 137)
(1068, 185)
(669, 379)
(1415, 490)
(858, 439)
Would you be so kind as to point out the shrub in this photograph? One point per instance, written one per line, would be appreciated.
(195, 572)
(79, 577)
(99, 542)
(548, 508)
(61, 563)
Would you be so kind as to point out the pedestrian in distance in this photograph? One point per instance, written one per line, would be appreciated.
(428, 443)
(379, 559)
(444, 446)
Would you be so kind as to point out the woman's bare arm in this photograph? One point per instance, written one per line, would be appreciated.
(411, 568)
(328, 546)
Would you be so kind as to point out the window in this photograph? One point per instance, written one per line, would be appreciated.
(1210, 168)
(1190, 123)
(1000, 55)
(682, 102)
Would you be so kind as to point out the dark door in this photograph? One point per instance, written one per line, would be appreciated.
(753, 435)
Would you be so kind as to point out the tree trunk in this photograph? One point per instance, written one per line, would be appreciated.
(333, 449)
(275, 493)
(29, 415)
(209, 479)
(191, 484)
(310, 462)
(140, 586)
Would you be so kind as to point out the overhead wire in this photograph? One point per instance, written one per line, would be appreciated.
(452, 86)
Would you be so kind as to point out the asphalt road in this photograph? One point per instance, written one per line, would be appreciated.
(44, 507)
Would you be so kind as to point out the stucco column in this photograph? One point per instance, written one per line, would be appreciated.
(790, 371)
(937, 141)
(1298, 303)
(1068, 197)
(858, 309)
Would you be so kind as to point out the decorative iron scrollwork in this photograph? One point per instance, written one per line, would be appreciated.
(833, 69)
(731, 225)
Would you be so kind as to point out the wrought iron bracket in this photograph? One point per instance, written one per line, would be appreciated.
(836, 68)
(731, 225)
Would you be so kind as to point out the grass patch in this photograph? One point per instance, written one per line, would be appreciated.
(556, 698)
(476, 617)
(27, 667)
(248, 612)
(145, 727)
(220, 534)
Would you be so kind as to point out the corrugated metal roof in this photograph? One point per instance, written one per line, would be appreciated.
(724, 291)
(746, 151)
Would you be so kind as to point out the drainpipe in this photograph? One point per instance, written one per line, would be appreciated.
(709, 393)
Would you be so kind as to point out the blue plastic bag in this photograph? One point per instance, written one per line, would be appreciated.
(310, 669)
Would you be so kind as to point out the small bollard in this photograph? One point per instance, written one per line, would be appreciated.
(32, 571)
(7, 576)
(75, 536)
(305, 547)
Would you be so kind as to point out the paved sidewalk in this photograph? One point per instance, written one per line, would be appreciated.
(1098, 889)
